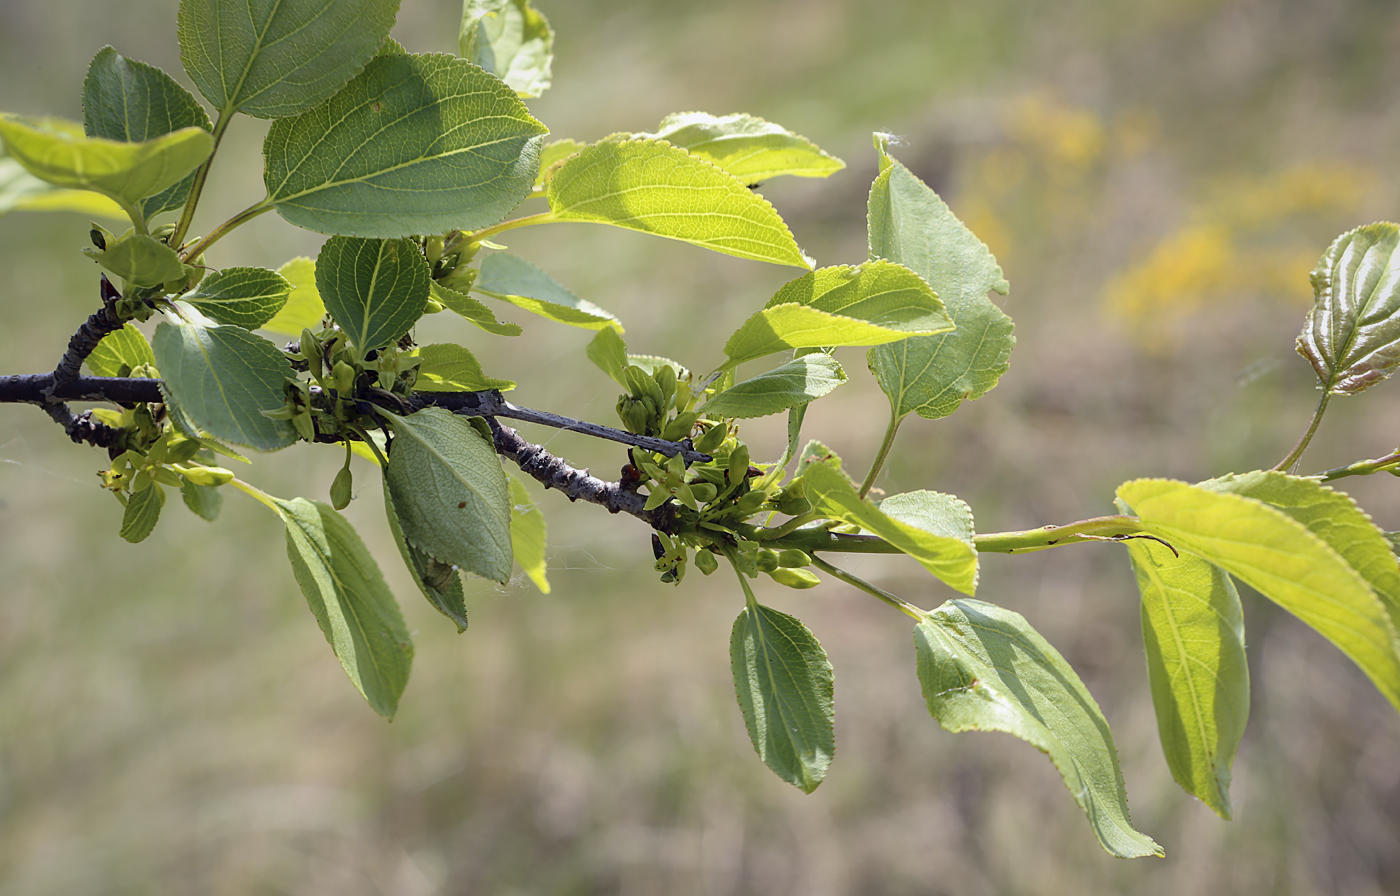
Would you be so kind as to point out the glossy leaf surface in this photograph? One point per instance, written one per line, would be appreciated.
(469, 308)
(795, 383)
(222, 379)
(124, 349)
(451, 368)
(511, 40)
(273, 58)
(375, 289)
(244, 297)
(1193, 633)
(128, 100)
(783, 681)
(869, 304)
(1352, 333)
(413, 145)
(653, 187)
(932, 375)
(451, 493)
(1280, 558)
(515, 280)
(746, 146)
(984, 668)
(935, 512)
(351, 603)
(952, 560)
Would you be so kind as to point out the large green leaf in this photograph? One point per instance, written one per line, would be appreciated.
(139, 259)
(222, 379)
(21, 191)
(746, 146)
(450, 492)
(304, 308)
(1332, 516)
(984, 668)
(654, 187)
(438, 581)
(59, 152)
(244, 297)
(452, 368)
(462, 304)
(413, 145)
(527, 534)
(120, 352)
(932, 375)
(375, 289)
(273, 58)
(952, 560)
(946, 515)
(1352, 332)
(1280, 558)
(795, 383)
(511, 40)
(1193, 633)
(515, 280)
(869, 304)
(128, 100)
(784, 684)
(142, 513)
(347, 595)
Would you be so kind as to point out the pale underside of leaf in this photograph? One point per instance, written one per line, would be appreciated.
(795, 383)
(1352, 333)
(746, 146)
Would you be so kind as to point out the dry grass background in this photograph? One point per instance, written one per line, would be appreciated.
(172, 721)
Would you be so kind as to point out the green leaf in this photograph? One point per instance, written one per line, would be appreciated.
(244, 297)
(142, 513)
(450, 492)
(984, 668)
(510, 40)
(609, 352)
(347, 595)
(515, 280)
(748, 147)
(1332, 516)
(273, 58)
(221, 379)
(932, 375)
(1193, 632)
(783, 681)
(952, 560)
(654, 187)
(464, 305)
(795, 383)
(552, 154)
(527, 534)
(375, 289)
(1352, 333)
(205, 501)
(139, 260)
(869, 304)
(935, 512)
(1281, 559)
(451, 368)
(57, 151)
(438, 581)
(121, 352)
(130, 101)
(21, 191)
(413, 145)
(304, 309)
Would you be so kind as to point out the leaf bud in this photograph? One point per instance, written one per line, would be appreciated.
(210, 476)
(680, 427)
(794, 559)
(165, 476)
(795, 578)
(304, 427)
(344, 377)
(750, 502)
(340, 488)
(711, 439)
(180, 449)
(766, 561)
(704, 492)
(706, 561)
(311, 352)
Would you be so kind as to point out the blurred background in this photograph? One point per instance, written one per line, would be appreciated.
(1156, 177)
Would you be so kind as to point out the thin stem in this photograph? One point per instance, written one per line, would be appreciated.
(787, 528)
(223, 229)
(201, 174)
(749, 598)
(890, 432)
(854, 581)
(1293, 456)
(528, 220)
(138, 220)
(1101, 528)
(255, 492)
(1362, 468)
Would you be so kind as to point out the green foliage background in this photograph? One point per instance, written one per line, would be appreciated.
(170, 722)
